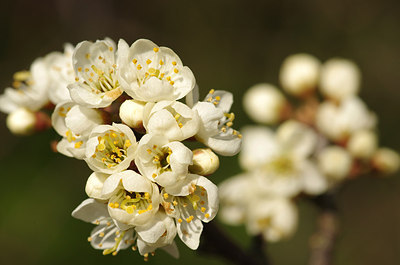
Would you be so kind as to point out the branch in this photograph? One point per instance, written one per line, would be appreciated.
(323, 240)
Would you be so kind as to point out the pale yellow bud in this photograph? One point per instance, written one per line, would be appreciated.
(131, 113)
(386, 160)
(264, 103)
(340, 79)
(362, 144)
(335, 163)
(205, 162)
(299, 74)
(21, 122)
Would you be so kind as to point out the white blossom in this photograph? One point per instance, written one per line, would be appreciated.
(235, 194)
(273, 217)
(340, 79)
(74, 123)
(157, 233)
(264, 103)
(110, 148)
(299, 74)
(151, 73)
(216, 122)
(95, 68)
(133, 199)
(61, 74)
(339, 122)
(173, 119)
(281, 160)
(198, 202)
(163, 162)
(106, 236)
(29, 90)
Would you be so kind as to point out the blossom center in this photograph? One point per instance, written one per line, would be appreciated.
(112, 148)
(101, 77)
(132, 202)
(161, 159)
(281, 165)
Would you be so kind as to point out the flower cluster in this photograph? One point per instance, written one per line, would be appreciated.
(324, 134)
(117, 108)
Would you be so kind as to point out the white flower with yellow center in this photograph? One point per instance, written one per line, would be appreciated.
(281, 160)
(95, 68)
(173, 119)
(244, 201)
(110, 148)
(106, 236)
(133, 199)
(61, 74)
(273, 217)
(29, 89)
(74, 123)
(151, 73)
(162, 161)
(216, 123)
(198, 201)
(339, 122)
(160, 232)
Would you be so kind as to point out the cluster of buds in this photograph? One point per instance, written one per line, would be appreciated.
(117, 108)
(324, 134)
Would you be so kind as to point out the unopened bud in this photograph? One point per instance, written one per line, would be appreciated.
(205, 162)
(264, 103)
(386, 160)
(131, 113)
(21, 122)
(362, 144)
(335, 162)
(340, 79)
(299, 74)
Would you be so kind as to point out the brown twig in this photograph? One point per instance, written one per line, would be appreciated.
(323, 240)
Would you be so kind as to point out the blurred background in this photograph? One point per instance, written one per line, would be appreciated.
(229, 45)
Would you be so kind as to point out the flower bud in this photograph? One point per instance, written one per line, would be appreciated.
(362, 144)
(131, 113)
(335, 162)
(299, 74)
(340, 79)
(205, 162)
(21, 122)
(386, 160)
(264, 103)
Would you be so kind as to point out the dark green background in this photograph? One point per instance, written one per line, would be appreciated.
(228, 45)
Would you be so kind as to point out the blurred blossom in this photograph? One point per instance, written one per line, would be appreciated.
(386, 160)
(321, 138)
(299, 74)
(264, 103)
(340, 79)
(335, 163)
